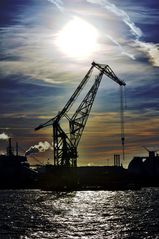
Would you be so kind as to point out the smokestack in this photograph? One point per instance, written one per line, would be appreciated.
(9, 148)
(17, 149)
(117, 160)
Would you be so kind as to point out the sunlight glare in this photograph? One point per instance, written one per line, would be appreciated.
(78, 38)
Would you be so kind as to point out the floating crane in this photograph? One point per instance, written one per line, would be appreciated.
(65, 147)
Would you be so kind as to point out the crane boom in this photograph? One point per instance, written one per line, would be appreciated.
(79, 119)
(65, 147)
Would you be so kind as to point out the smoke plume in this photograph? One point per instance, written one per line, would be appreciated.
(40, 147)
(4, 136)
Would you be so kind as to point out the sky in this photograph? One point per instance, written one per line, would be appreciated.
(46, 49)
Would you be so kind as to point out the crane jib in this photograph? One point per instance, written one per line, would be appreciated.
(109, 72)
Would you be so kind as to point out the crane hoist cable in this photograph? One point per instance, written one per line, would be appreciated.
(122, 88)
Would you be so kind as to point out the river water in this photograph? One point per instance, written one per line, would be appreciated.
(83, 214)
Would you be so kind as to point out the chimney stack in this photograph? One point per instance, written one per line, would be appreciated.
(9, 148)
(17, 149)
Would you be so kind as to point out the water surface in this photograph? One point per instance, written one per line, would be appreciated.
(84, 214)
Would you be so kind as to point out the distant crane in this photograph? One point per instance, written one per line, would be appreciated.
(65, 147)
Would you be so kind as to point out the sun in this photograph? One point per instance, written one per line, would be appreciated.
(77, 38)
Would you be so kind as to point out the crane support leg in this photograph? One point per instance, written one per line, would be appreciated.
(64, 151)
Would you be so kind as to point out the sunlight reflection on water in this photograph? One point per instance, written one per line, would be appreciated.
(83, 214)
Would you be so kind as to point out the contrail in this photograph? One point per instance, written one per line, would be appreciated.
(121, 13)
(136, 31)
(126, 19)
(150, 49)
(40, 147)
(4, 136)
(58, 4)
(123, 52)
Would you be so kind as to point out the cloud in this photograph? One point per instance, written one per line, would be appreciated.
(151, 50)
(141, 129)
(40, 147)
(4, 136)
(40, 63)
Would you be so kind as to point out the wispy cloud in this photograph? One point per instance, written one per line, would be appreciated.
(19, 57)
